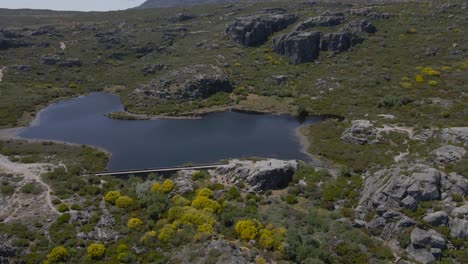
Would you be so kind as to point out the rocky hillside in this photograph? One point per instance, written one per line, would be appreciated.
(175, 3)
(392, 78)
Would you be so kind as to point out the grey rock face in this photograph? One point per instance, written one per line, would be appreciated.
(437, 218)
(368, 12)
(459, 228)
(259, 175)
(361, 132)
(454, 135)
(7, 252)
(420, 237)
(255, 30)
(278, 79)
(409, 203)
(326, 20)
(455, 184)
(337, 42)
(420, 254)
(298, 46)
(460, 212)
(360, 26)
(447, 154)
(193, 82)
(46, 30)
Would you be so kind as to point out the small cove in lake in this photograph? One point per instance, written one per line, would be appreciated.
(138, 144)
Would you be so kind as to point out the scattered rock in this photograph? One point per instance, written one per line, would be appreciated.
(152, 68)
(46, 30)
(255, 30)
(326, 20)
(259, 175)
(359, 223)
(431, 52)
(299, 47)
(361, 132)
(278, 79)
(181, 17)
(70, 63)
(50, 59)
(437, 218)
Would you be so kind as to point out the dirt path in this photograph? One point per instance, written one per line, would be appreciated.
(1, 73)
(21, 205)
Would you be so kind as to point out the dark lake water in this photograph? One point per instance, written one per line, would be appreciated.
(166, 142)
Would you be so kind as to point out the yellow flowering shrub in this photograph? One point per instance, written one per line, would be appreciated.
(58, 254)
(203, 202)
(124, 202)
(166, 232)
(180, 201)
(205, 192)
(271, 238)
(405, 79)
(166, 187)
(188, 215)
(112, 196)
(134, 222)
(122, 248)
(446, 68)
(419, 78)
(96, 251)
(247, 229)
(406, 85)
(412, 31)
(433, 83)
(260, 260)
(148, 235)
(430, 72)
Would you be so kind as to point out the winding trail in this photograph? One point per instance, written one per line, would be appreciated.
(18, 203)
(1, 73)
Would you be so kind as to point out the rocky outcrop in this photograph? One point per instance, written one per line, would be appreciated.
(454, 135)
(10, 40)
(46, 30)
(192, 82)
(426, 246)
(228, 252)
(258, 175)
(361, 132)
(368, 12)
(325, 20)
(255, 30)
(338, 42)
(298, 46)
(360, 26)
(446, 154)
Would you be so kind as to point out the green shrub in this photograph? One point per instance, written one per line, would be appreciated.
(62, 208)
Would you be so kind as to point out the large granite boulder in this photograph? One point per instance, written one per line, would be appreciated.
(361, 132)
(192, 82)
(255, 30)
(420, 254)
(420, 237)
(299, 47)
(325, 20)
(458, 228)
(436, 218)
(258, 175)
(446, 154)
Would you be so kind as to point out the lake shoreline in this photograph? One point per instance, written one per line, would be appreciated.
(14, 133)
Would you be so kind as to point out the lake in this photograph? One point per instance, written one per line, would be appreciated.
(138, 144)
